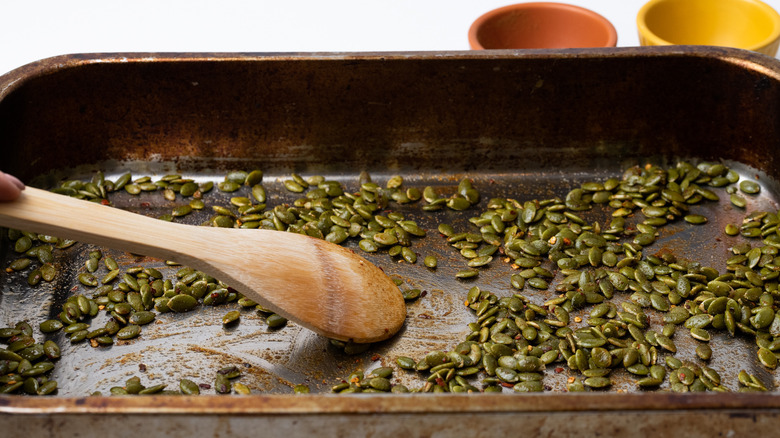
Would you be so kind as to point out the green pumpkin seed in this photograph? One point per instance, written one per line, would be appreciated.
(34, 277)
(597, 382)
(458, 204)
(685, 375)
(738, 201)
(649, 382)
(78, 336)
(152, 389)
(182, 303)
(182, 210)
(479, 261)
(700, 334)
(275, 321)
(293, 186)
(704, 351)
(188, 387)
(749, 187)
(87, 279)
(408, 255)
(231, 317)
(695, 219)
(129, 332)
(143, 317)
(411, 294)
(537, 283)
(666, 343)
(20, 264)
(50, 326)
(48, 387)
(104, 340)
(254, 177)
(466, 273)
(767, 358)
(229, 186)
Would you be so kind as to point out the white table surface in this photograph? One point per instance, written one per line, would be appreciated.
(32, 30)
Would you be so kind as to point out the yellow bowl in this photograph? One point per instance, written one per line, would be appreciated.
(744, 24)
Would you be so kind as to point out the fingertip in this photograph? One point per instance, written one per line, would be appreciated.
(10, 187)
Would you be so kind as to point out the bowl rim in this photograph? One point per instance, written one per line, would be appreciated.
(480, 21)
(645, 32)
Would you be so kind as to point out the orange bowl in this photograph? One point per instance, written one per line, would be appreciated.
(541, 25)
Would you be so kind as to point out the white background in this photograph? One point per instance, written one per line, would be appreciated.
(32, 30)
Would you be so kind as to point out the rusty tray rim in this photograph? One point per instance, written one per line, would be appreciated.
(321, 404)
(19, 76)
(314, 404)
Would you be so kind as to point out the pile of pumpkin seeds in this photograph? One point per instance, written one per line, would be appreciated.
(26, 365)
(512, 340)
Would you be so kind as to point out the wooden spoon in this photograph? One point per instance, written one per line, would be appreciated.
(321, 286)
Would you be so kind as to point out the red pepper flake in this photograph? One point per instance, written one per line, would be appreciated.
(507, 384)
(104, 202)
(423, 293)
(145, 204)
(558, 370)
(440, 381)
(375, 357)
(424, 316)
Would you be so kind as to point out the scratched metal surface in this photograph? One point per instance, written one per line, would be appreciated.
(194, 345)
(524, 126)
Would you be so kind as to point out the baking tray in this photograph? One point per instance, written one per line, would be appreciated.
(527, 124)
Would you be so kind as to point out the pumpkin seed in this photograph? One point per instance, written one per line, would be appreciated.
(695, 219)
(275, 321)
(50, 326)
(182, 303)
(128, 332)
(466, 273)
(188, 387)
(749, 187)
(231, 317)
(700, 334)
(704, 351)
(767, 358)
(143, 317)
(597, 382)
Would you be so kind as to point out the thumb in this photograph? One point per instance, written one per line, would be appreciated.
(10, 187)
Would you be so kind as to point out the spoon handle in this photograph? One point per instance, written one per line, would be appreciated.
(44, 212)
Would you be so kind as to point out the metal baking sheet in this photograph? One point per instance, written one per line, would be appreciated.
(525, 125)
